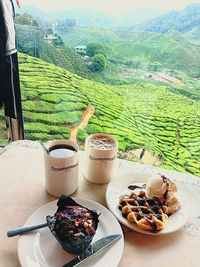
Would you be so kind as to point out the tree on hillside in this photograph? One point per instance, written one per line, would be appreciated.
(93, 49)
(29, 35)
(58, 42)
(99, 62)
(25, 19)
(29, 40)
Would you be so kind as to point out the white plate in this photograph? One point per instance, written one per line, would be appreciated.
(39, 248)
(119, 186)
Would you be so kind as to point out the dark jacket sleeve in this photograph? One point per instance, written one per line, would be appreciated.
(2, 37)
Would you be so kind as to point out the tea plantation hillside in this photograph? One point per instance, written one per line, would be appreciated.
(143, 50)
(163, 120)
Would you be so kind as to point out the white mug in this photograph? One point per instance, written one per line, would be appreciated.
(100, 158)
(61, 167)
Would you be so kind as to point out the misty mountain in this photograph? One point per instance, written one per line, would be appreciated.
(138, 16)
(182, 21)
(144, 19)
(194, 33)
(88, 18)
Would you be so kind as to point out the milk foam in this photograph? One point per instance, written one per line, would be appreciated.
(102, 142)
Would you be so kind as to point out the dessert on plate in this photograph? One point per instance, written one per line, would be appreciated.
(73, 225)
(150, 207)
(165, 189)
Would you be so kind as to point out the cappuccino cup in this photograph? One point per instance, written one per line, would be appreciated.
(61, 167)
(100, 158)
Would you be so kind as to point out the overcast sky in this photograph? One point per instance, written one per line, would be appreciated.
(112, 7)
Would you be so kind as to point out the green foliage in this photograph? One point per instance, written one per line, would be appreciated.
(82, 135)
(136, 53)
(64, 57)
(93, 49)
(25, 19)
(3, 130)
(30, 41)
(163, 119)
(126, 50)
(132, 63)
(58, 42)
(98, 63)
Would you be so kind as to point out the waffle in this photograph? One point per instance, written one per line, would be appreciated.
(147, 213)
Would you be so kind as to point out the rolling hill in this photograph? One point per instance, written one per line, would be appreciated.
(170, 51)
(163, 119)
(30, 40)
(182, 21)
(194, 33)
(127, 50)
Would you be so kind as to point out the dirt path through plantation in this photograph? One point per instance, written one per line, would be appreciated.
(86, 116)
(141, 155)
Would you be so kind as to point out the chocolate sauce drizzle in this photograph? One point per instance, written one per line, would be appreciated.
(166, 181)
(133, 187)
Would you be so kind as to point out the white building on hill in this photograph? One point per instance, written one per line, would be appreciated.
(80, 49)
